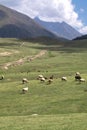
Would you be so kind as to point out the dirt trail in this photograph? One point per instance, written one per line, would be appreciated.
(22, 60)
(38, 55)
(7, 53)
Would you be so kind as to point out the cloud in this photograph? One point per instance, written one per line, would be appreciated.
(83, 30)
(49, 10)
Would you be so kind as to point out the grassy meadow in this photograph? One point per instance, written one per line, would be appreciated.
(57, 106)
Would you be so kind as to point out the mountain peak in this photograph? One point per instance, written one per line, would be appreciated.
(17, 25)
(61, 29)
(63, 22)
(36, 18)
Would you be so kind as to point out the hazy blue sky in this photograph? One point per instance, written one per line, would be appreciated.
(71, 11)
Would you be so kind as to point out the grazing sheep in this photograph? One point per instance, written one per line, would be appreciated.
(42, 79)
(77, 77)
(51, 77)
(45, 77)
(82, 80)
(24, 90)
(24, 80)
(2, 77)
(50, 81)
(40, 76)
(77, 73)
(34, 114)
(64, 78)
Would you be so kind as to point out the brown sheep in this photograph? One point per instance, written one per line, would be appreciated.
(50, 81)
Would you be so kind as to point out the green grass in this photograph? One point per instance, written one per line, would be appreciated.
(56, 98)
(45, 122)
(60, 105)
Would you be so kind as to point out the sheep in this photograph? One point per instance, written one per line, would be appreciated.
(50, 81)
(51, 77)
(40, 76)
(77, 77)
(24, 80)
(45, 77)
(64, 78)
(82, 80)
(42, 79)
(34, 114)
(24, 90)
(77, 73)
(2, 77)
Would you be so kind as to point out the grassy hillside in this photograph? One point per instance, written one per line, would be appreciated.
(59, 105)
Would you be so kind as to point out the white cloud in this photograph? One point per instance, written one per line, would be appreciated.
(50, 10)
(83, 30)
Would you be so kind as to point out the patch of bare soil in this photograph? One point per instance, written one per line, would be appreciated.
(38, 55)
(7, 53)
(22, 60)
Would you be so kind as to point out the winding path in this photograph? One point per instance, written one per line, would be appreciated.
(23, 60)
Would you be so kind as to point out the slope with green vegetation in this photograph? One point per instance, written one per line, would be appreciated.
(59, 105)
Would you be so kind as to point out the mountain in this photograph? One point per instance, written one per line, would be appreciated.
(81, 38)
(61, 29)
(17, 25)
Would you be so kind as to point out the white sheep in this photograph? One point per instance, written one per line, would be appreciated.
(42, 79)
(24, 90)
(34, 114)
(24, 80)
(40, 76)
(77, 73)
(82, 80)
(64, 78)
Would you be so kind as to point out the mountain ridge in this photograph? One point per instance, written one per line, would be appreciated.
(60, 29)
(17, 25)
(81, 37)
